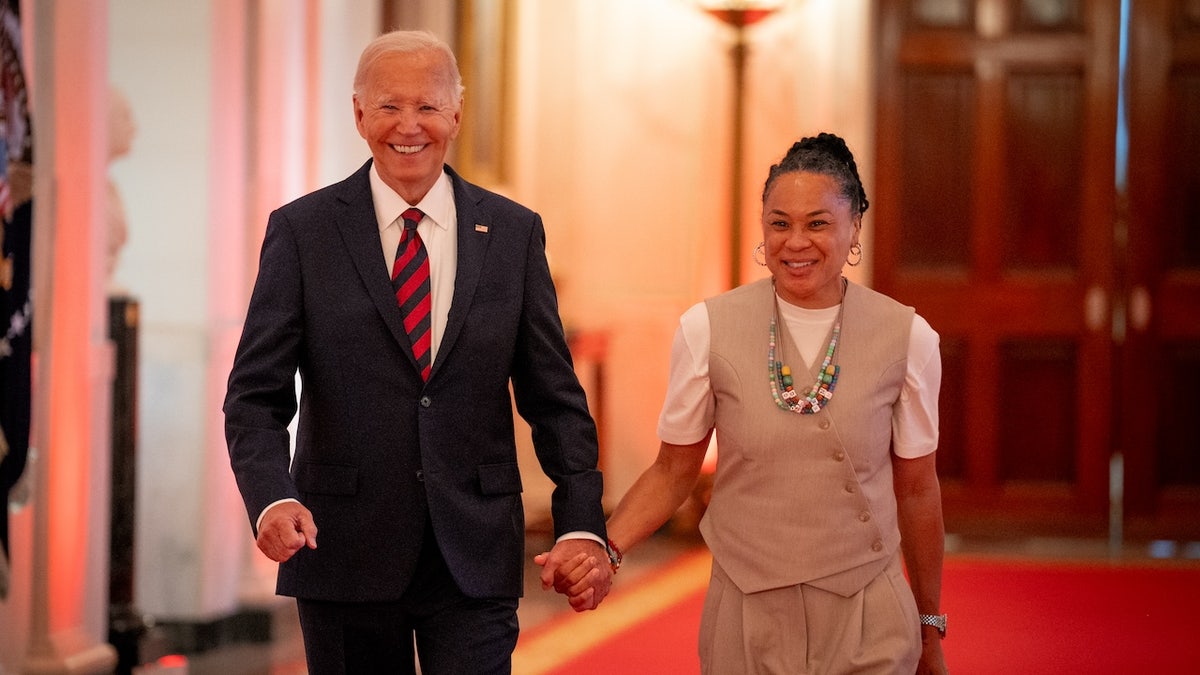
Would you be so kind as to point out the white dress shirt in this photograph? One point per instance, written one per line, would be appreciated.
(439, 232)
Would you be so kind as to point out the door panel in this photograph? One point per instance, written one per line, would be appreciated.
(1043, 145)
(1160, 351)
(1041, 447)
(937, 236)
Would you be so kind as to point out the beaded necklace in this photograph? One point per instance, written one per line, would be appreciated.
(819, 396)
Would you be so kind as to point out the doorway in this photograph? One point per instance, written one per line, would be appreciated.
(1051, 242)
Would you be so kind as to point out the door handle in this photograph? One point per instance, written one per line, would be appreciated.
(1139, 308)
(1095, 308)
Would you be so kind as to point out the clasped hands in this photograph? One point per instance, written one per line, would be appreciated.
(579, 569)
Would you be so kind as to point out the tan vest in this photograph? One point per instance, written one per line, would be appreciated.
(804, 498)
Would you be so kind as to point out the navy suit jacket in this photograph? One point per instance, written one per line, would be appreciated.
(378, 451)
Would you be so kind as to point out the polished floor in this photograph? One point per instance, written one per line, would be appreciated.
(284, 654)
(541, 610)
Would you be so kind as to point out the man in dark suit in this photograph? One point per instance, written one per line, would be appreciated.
(405, 457)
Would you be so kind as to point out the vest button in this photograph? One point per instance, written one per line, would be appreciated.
(877, 546)
(850, 488)
(824, 423)
(420, 476)
(839, 456)
(864, 516)
(426, 401)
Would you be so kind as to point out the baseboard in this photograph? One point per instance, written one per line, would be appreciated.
(246, 625)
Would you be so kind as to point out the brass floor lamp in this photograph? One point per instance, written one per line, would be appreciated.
(738, 14)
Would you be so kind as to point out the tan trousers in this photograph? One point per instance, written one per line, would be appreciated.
(801, 630)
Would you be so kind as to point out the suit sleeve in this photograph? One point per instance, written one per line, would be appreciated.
(260, 400)
(550, 398)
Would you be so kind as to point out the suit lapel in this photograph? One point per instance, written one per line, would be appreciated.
(360, 232)
(472, 248)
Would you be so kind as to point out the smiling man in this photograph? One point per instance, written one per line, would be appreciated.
(409, 300)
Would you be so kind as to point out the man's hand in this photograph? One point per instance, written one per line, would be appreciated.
(285, 529)
(579, 569)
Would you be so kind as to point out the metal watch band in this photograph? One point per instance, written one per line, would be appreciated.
(938, 621)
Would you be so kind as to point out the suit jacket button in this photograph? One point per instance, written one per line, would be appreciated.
(420, 476)
(426, 401)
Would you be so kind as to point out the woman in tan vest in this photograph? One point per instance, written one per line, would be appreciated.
(823, 397)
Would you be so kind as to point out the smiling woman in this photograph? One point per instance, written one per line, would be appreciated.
(790, 522)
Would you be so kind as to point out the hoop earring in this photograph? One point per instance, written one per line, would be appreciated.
(761, 248)
(856, 249)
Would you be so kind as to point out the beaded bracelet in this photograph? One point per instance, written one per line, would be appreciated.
(614, 555)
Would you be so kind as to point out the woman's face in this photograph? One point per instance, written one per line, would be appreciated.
(808, 230)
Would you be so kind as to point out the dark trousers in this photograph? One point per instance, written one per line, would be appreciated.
(453, 634)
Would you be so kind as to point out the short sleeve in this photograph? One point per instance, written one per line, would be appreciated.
(915, 415)
(688, 409)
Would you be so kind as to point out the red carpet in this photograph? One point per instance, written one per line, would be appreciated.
(1006, 616)
(1082, 618)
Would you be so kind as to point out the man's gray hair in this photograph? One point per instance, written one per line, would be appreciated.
(406, 42)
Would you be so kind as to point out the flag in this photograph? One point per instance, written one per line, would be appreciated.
(16, 210)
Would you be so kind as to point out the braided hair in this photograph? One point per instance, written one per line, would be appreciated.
(828, 155)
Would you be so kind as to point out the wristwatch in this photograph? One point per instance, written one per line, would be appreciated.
(938, 621)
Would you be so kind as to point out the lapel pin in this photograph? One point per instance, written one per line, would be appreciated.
(481, 228)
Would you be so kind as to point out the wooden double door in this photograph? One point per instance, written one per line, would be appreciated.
(1038, 201)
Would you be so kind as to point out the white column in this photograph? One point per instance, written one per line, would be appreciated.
(161, 58)
(74, 360)
(226, 533)
(217, 147)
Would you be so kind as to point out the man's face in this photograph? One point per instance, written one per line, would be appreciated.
(408, 113)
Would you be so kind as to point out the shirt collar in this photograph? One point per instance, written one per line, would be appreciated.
(437, 205)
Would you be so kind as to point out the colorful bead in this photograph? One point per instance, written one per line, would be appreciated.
(781, 379)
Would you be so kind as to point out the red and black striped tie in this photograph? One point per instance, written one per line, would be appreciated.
(410, 281)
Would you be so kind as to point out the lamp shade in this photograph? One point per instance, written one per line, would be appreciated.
(740, 12)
